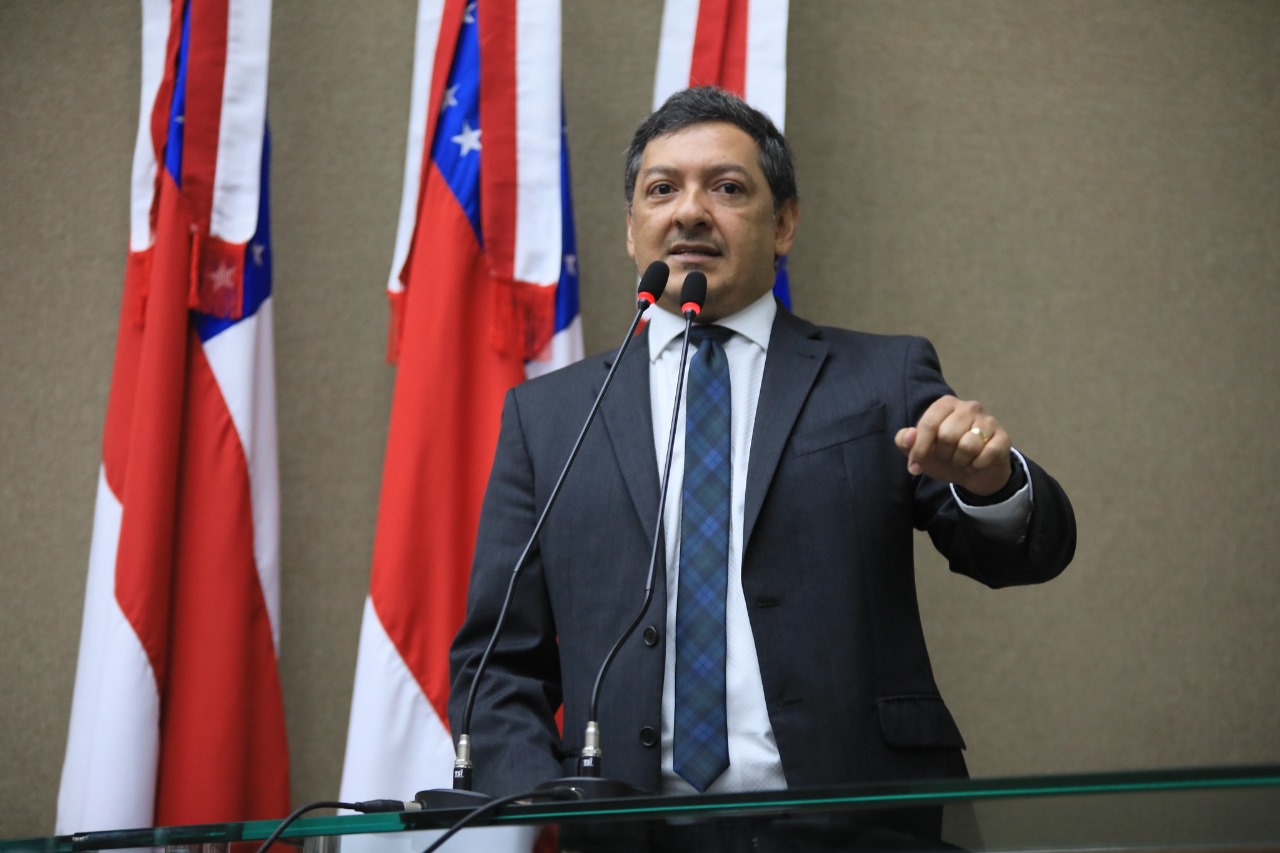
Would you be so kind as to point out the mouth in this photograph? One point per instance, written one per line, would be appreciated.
(692, 253)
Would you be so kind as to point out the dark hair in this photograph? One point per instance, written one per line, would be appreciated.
(702, 104)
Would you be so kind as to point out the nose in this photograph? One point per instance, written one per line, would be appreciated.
(691, 211)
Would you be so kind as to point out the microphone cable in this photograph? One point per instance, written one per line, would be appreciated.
(365, 806)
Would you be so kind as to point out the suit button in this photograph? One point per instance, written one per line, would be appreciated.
(648, 736)
(651, 636)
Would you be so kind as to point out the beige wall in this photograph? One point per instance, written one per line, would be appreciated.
(1079, 202)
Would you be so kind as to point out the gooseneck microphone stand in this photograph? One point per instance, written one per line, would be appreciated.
(589, 781)
(652, 283)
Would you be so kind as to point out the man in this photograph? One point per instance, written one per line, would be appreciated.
(841, 444)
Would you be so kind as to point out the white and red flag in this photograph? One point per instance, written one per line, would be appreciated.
(483, 291)
(739, 45)
(177, 714)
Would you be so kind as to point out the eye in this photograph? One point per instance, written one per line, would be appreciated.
(661, 188)
(731, 188)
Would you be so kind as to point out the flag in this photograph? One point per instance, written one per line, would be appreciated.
(738, 45)
(177, 714)
(483, 292)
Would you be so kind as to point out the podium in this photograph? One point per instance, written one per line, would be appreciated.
(1200, 809)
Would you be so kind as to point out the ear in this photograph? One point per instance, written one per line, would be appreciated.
(784, 228)
(631, 242)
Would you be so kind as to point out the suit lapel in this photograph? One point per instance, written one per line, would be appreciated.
(796, 353)
(629, 426)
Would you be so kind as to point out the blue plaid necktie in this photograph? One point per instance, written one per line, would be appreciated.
(701, 747)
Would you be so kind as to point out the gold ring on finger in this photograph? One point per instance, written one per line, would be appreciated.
(980, 434)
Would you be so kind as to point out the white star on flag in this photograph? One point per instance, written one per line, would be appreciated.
(258, 250)
(223, 278)
(450, 98)
(470, 16)
(571, 264)
(468, 140)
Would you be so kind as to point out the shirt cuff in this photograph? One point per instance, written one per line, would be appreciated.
(1006, 520)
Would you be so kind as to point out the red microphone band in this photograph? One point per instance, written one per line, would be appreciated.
(647, 297)
(691, 306)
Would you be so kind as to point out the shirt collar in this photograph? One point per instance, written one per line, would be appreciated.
(755, 322)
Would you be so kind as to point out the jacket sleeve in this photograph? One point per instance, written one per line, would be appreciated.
(515, 741)
(1050, 539)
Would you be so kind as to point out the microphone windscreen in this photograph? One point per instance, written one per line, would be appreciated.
(654, 281)
(694, 292)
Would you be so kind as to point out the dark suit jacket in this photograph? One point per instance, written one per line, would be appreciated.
(827, 568)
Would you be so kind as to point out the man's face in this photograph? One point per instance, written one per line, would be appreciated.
(702, 202)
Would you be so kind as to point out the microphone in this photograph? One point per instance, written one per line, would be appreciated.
(692, 296)
(652, 283)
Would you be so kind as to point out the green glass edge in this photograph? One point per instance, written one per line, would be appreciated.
(993, 793)
(392, 822)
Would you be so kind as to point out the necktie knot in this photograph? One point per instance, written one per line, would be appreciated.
(700, 334)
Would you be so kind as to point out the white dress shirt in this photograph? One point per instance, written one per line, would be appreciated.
(754, 764)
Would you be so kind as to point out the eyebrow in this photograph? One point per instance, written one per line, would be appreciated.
(719, 169)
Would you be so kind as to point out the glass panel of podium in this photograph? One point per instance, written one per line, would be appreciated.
(1228, 808)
